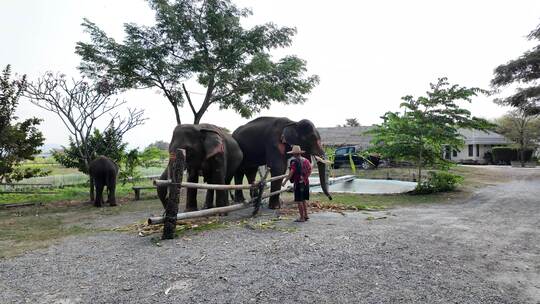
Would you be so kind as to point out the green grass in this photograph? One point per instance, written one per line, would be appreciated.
(370, 202)
(28, 228)
(474, 178)
(68, 194)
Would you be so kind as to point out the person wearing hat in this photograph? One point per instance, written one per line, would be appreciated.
(299, 171)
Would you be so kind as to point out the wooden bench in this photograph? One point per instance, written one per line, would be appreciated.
(138, 189)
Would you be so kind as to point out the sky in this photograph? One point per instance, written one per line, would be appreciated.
(368, 54)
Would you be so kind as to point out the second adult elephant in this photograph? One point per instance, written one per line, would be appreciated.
(266, 140)
(210, 150)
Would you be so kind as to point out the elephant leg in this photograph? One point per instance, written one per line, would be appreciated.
(111, 188)
(191, 197)
(209, 201)
(238, 180)
(99, 193)
(251, 174)
(218, 178)
(274, 202)
(228, 180)
(162, 190)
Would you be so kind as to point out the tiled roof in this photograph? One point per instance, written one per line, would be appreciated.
(483, 138)
(354, 136)
(345, 136)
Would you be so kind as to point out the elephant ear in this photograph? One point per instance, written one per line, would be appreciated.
(212, 142)
(290, 135)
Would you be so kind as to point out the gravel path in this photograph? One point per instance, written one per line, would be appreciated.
(485, 250)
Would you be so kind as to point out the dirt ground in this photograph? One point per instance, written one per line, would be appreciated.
(485, 249)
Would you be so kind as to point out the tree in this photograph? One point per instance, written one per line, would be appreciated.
(108, 143)
(523, 70)
(79, 105)
(131, 161)
(428, 125)
(522, 128)
(351, 122)
(160, 144)
(19, 141)
(202, 40)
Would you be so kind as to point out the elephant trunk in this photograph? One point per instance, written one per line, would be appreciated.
(323, 177)
(162, 190)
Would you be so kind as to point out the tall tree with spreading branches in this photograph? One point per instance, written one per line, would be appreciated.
(524, 70)
(522, 128)
(202, 40)
(21, 140)
(80, 105)
(427, 126)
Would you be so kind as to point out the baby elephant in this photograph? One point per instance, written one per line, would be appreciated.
(103, 172)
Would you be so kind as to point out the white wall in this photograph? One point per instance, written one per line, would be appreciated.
(463, 155)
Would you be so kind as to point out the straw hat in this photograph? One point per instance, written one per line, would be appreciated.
(296, 150)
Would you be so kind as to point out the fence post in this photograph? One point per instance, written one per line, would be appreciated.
(174, 174)
(259, 191)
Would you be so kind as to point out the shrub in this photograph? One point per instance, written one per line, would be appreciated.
(504, 155)
(439, 182)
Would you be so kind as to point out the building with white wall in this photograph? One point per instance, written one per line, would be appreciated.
(477, 143)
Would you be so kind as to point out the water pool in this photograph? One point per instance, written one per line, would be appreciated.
(364, 186)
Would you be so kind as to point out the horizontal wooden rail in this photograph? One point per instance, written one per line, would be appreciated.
(159, 182)
(200, 213)
(218, 210)
(276, 178)
(163, 183)
(27, 192)
(24, 184)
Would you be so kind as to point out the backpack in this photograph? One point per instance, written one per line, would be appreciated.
(298, 169)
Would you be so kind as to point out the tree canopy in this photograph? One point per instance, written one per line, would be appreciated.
(351, 122)
(524, 70)
(202, 40)
(108, 143)
(522, 128)
(427, 126)
(80, 105)
(21, 140)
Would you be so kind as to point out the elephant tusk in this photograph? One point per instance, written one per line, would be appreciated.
(321, 160)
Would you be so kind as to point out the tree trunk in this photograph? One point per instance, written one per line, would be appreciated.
(92, 194)
(206, 103)
(177, 114)
(522, 155)
(197, 118)
(419, 168)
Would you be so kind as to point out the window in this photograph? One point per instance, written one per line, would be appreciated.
(454, 153)
(471, 150)
(447, 152)
(477, 150)
(341, 151)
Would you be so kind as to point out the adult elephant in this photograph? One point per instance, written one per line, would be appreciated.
(210, 150)
(266, 141)
(103, 171)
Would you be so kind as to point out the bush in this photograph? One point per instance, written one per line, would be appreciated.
(439, 182)
(504, 155)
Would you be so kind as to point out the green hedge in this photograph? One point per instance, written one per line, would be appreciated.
(504, 155)
(439, 182)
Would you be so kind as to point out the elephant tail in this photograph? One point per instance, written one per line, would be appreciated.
(162, 190)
